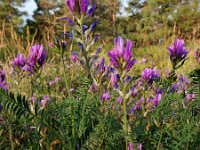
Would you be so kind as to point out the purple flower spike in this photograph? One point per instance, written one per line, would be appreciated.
(71, 5)
(177, 51)
(84, 5)
(120, 54)
(105, 96)
(92, 9)
(36, 56)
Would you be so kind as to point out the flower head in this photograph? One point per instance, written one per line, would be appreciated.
(44, 101)
(121, 56)
(19, 61)
(36, 58)
(119, 99)
(177, 51)
(51, 83)
(81, 6)
(105, 96)
(84, 5)
(71, 4)
(190, 97)
(150, 74)
(157, 99)
(74, 57)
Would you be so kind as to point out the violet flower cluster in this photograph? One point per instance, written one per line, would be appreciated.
(81, 6)
(33, 62)
(121, 56)
(150, 74)
(177, 52)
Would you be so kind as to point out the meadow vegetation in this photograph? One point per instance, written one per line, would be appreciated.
(69, 80)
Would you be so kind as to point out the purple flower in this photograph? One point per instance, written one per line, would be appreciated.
(101, 67)
(93, 25)
(181, 85)
(36, 58)
(105, 96)
(92, 9)
(119, 100)
(114, 78)
(182, 79)
(140, 147)
(51, 82)
(137, 106)
(157, 99)
(120, 54)
(128, 51)
(130, 64)
(84, 28)
(130, 146)
(44, 101)
(127, 79)
(71, 5)
(150, 74)
(74, 57)
(57, 79)
(190, 97)
(134, 92)
(84, 5)
(174, 88)
(71, 90)
(3, 83)
(19, 61)
(177, 51)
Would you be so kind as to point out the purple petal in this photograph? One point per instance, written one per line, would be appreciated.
(92, 9)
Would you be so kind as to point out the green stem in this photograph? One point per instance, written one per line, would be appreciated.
(84, 46)
(125, 128)
(158, 146)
